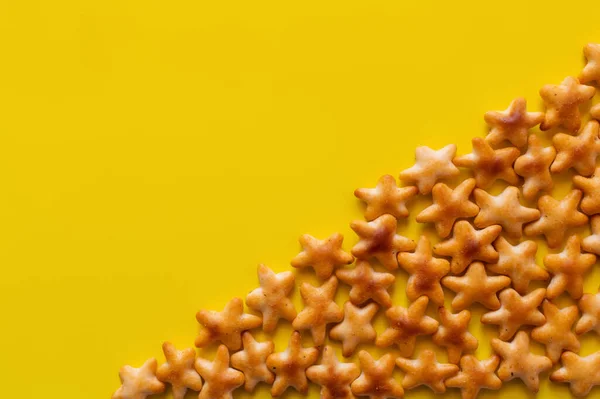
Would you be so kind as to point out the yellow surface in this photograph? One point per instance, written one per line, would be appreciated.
(152, 153)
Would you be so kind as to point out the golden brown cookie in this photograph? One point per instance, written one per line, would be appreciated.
(513, 124)
(534, 167)
(431, 166)
(489, 165)
(367, 284)
(475, 375)
(322, 255)
(425, 272)
(590, 204)
(319, 309)
(556, 333)
(226, 326)
(557, 217)
(405, 324)
(220, 380)
(579, 371)
(468, 245)
(378, 239)
(591, 71)
(425, 370)
(139, 383)
(516, 311)
(386, 197)
(179, 370)
(518, 263)
(453, 334)
(356, 328)
(595, 111)
(376, 380)
(589, 304)
(591, 243)
(252, 361)
(567, 269)
(290, 366)
(562, 104)
(578, 152)
(272, 297)
(505, 210)
(448, 206)
(475, 286)
(519, 362)
(333, 376)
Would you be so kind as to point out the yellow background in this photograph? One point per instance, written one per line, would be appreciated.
(152, 153)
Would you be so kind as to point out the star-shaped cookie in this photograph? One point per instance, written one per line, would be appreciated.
(431, 166)
(513, 124)
(367, 284)
(595, 111)
(534, 167)
(516, 311)
(386, 197)
(475, 286)
(589, 304)
(519, 362)
(518, 263)
(319, 310)
(220, 380)
(453, 334)
(271, 298)
(424, 271)
(567, 269)
(356, 328)
(475, 375)
(580, 372)
(578, 152)
(333, 376)
(378, 239)
(290, 366)
(448, 206)
(139, 383)
(562, 104)
(468, 245)
(425, 370)
(322, 255)
(252, 361)
(591, 243)
(556, 218)
(226, 326)
(179, 370)
(504, 209)
(556, 333)
(590, 204)
(489, 165)
(376, 380)
(591, 71)
(405, 324)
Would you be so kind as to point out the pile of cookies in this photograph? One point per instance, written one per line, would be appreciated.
(482, 257)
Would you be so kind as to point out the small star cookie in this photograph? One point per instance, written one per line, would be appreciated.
(290, 366)
(519, 362)
(590, 314)
(424, 271)
(431, 166)
(516, 311)
(333, 376)
(376, 380)
(591, 71)
(534, 167)
(513, 124)
(320, 309)
(367, 284)
(475, 375)
(226, 326)
(322, 255)
(386, 197)
(405, 324)
(591, 243)
(252, 361)
(220, 380)
(378, 239)
(425, 370)
(578, 152)
(468, 245)
(579, 371)
(590, 204)
(139, 383)
(562, 104)
(489, 165)
(356, 328)
(453, 334)
(505, 210)
(179, 370)
(556, 333)
(448, 206)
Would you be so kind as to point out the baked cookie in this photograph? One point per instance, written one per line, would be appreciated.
(425, 370)
(590, 204)
(365, 283)
(356, 328)
(578, 152)
(513, 124)
(589, 304)
(386, 197)
(431, 166)
(475, 375)
(562, 104)
(556, 333)
(322, 255)
(252, 361)
(220, 380)
(453, 334)
(580, 372)
(595, 111)
(376, 380)
(139, 383)
(591, 71)
(333, 376)
(534, 167)
(591, 243)
(178, 370)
